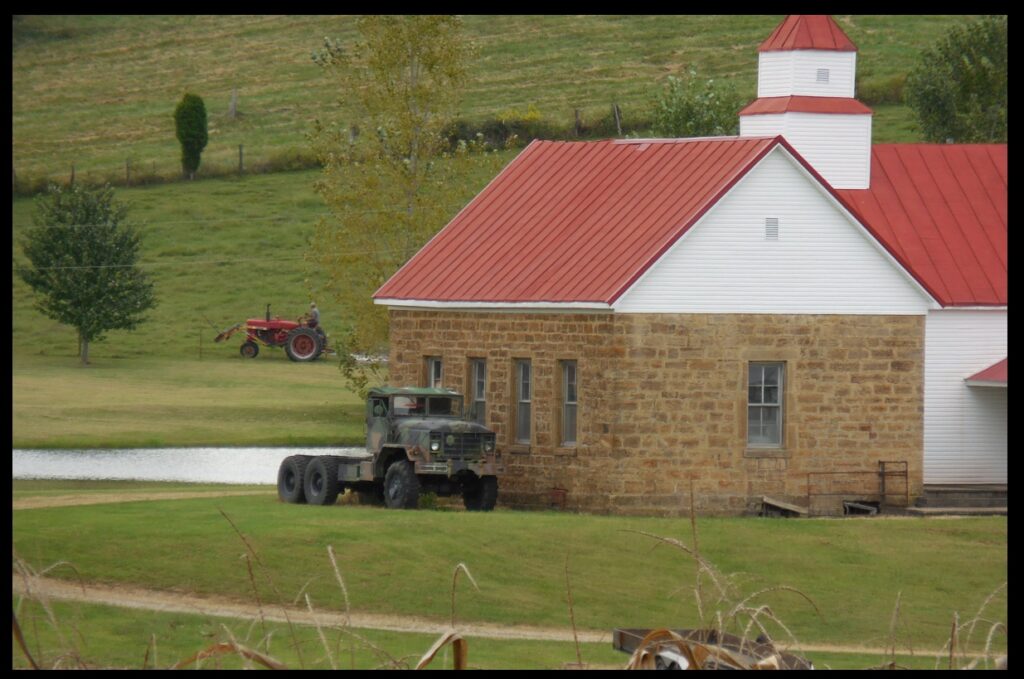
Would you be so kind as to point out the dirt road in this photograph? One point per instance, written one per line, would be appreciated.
(42, 501)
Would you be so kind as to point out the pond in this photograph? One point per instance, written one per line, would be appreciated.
(190, 465)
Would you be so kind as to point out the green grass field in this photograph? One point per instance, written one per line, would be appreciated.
(853, 570)
(99, 90)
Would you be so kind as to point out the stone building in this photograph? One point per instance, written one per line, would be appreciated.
(784, 313)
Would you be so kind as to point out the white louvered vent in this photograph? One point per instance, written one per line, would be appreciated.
(771, 228)
(823, 75)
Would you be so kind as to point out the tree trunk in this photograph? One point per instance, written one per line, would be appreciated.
(85, 351)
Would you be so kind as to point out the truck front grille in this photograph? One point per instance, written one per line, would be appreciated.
(464, 445)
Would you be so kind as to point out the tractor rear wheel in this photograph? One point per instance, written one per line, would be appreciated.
(401, 487)
(249, 350)
(482, 495)
(321, 481)
(290, 478)
(303, 344)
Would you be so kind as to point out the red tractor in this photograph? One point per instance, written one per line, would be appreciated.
(300, 341)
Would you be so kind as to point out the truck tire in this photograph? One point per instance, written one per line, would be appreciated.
(290, 478)
(303, 344)
(482, 495)
(401, 487)
(320, 483)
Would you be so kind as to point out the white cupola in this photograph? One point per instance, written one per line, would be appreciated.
(805, 92)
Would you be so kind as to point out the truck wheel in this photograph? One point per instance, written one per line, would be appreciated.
(290, 477)
(401, 487)
(320, 483)
(303, 344)
(249, 350)
(482, 495)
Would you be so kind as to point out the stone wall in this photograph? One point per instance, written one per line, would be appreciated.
(662, 403)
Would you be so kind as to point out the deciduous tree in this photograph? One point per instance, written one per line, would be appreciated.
(392, 186)
(692, 106)
(959, 88)
(82, 263)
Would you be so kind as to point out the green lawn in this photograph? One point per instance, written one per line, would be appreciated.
(99, 90)
(402, 562)
(152, 402)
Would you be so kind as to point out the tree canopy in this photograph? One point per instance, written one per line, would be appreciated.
(692, 106)
(82, 263)
(959, 88)
(388, 167)
(191, 129)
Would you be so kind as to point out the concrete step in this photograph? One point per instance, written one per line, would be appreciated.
(955, 511)
(964, 496)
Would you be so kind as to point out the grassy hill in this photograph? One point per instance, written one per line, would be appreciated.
(100, 91)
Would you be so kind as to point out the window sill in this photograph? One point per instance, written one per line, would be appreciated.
(758, 453)
(566, 451)
(518, 449)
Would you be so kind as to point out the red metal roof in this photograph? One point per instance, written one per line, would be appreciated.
(942, 209)
(807, 32)
(995, 374)
(804, 104)
(575, 221)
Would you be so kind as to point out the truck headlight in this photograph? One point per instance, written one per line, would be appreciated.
(435, 446)
(488, 446)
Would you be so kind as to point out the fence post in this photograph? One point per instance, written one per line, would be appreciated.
(576, 127)
(240, 157)
(618, 119)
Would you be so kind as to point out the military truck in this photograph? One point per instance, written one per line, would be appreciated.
(417, 440)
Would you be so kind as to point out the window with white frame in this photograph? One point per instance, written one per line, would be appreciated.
(478, 388)
(764, 404)
(524, 389)
(570, 385)
(435, 371)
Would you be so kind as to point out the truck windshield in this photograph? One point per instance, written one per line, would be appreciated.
(435, 406)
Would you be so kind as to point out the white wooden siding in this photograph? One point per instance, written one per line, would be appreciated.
(964, 427)
(781, 74)
(838, 146)
(822, 262)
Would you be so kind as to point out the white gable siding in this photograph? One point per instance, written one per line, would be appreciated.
(964, 427)
(781, 74)
(822, 263)
(838, 146)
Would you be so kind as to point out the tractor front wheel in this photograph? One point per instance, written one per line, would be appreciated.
(249, 350)
(303, 344)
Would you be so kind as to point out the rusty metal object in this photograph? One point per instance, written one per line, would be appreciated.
(704, 649)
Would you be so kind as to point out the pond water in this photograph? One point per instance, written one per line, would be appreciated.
(192, 465)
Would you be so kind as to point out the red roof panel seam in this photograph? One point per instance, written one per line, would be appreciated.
(974, 245)
(396, 279)
(626, 179)
(934, 210)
